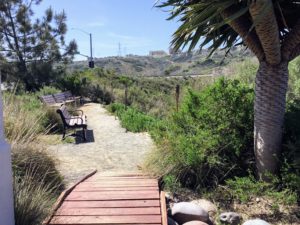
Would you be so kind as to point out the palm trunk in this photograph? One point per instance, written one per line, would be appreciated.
(269, 109)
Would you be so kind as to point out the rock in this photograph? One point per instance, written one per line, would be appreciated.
(195, 222)
(231, 218)
(256, 222)
(208, 206)
(185, 211)
(171, 221)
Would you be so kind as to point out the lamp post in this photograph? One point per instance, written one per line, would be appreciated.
(6, 178)
(91, 61)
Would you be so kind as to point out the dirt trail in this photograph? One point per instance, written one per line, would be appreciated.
(113, 148)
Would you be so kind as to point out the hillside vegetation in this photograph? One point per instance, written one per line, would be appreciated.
(177, 64)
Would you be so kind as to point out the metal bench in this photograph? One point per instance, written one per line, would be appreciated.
(72, 122)
(49, 100)
(60, 98)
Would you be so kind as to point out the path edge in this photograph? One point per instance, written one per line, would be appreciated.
(63, 196)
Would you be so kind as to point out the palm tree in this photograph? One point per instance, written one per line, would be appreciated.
(271, 30)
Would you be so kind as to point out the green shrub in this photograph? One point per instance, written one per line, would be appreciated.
(245, 71)
(211, 137)
(132, 119)
(246, 188)
(47, 90)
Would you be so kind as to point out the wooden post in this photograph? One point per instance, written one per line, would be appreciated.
(126, 94)
(177, 93)
(6, 179)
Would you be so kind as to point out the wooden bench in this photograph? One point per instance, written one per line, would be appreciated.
(60, 98)
(49, 100)
(72, 122)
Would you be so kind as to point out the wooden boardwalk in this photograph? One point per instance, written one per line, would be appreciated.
(111, 199)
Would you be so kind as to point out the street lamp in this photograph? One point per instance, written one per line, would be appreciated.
(6, 178)
(91, 61)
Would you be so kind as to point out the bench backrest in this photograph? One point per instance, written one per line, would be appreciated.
(48, 99)
(64, 114)
(59, 97)
(68, 94)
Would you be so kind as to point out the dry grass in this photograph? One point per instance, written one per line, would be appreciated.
(36, 180)
(33, 200)
(21, 126)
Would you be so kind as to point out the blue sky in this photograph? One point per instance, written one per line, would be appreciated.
(135, 24)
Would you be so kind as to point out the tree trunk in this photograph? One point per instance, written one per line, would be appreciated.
(269, 109)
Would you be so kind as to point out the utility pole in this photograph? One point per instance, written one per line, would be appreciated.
(6, 177)
(91, 61)
(119, 50)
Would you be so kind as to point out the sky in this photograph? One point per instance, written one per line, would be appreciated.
(135, 24)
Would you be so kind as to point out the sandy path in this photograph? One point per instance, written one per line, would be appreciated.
(114, 149)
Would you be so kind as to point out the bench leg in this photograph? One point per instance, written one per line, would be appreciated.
(64, 133)
(84, 134)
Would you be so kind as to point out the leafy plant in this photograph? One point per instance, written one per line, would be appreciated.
(210, 138)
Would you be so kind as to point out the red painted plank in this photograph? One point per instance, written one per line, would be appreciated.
(79, 196)
(118, 178)
(137, 219)
(148, 181)
(110, 204)
(116, 185)
(108, 211)
(116, 189)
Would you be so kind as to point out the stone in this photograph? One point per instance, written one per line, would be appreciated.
(195, 222)
(256, 222)
(231, 218)
(208, 206)
(185, 211)
(171, 221)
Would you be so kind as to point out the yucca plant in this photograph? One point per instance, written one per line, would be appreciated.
(271, 30)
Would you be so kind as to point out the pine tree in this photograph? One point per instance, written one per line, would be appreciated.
(32, 47)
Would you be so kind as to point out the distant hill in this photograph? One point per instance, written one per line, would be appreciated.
(194, 63)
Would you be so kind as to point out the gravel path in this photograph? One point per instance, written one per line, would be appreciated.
(113, 148)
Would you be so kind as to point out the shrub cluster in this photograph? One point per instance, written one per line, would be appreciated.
(210, 138)
(132, 119)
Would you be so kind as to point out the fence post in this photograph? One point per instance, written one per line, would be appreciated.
(177, 93)
(6, 178)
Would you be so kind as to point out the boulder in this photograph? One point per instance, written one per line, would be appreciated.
(195, 222)
(231, 218)
(256, 222)
(185, 211)
(208, 206)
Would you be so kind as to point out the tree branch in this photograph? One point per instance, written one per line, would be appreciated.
(242, 26)
(266, 27)
(291, 42)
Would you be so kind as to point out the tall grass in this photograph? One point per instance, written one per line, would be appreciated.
(36, 180)
(32, 199)
(22, 123)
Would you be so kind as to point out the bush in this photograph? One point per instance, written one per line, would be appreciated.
(36, 180)
(32, 200)
(22, 123)
(247, 188)
(47, 90)
(210, 139)
(32, 158)
(132, 119)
